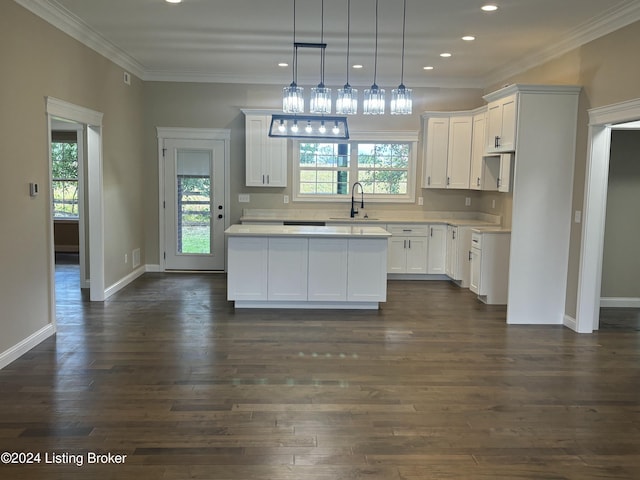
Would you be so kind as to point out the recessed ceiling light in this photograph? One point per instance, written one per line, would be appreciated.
(357, 65)
(283, 64)
(468, 38)
(490, 8)
(173, 1)
(445, 55)
(428, 67)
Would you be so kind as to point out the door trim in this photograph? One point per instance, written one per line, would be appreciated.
(95, 201)
(601, 121)
(165, 133)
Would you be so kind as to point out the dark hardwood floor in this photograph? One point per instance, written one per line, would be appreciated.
(433, 386)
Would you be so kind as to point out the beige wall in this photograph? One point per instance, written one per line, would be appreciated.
(621, 262)
(38, 61)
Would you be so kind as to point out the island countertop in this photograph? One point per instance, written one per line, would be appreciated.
(309, 231)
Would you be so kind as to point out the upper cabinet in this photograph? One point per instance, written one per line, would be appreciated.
(447, 150)
(478, 139)
(501, 124)
(266, 157)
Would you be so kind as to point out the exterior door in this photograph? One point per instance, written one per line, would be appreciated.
(194, 206)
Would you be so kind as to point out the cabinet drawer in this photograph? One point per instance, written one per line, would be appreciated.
(408, 230)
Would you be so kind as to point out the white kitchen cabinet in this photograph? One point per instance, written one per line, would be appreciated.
(407, 251)
(490, 266)
(437, 249)
(247, 266)
(497, 172)
(478, 139)
(543, 175)
(367, 270)
(287, 269)
(327, 272)
(458, 266)
(459, 154)
(435, 151)
(501, 124)
(447, 150)
(265, 157)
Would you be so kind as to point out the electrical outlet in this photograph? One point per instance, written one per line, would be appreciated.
(420, 200)
(244, 198)
(577, 216)
(286, 199)
(126, 258)
(126, 78)
(467, 201)
(493, 203)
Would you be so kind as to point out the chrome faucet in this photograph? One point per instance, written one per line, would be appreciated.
(354, 209)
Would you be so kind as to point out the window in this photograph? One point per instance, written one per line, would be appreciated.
(326, 171)
(64, 158)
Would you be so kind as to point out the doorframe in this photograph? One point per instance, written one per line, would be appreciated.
(176, 133)
(91, 120)
(601, 122)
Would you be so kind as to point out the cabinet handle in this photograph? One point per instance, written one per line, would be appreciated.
(453, 234)
(478, 182)
(429, 180)
(469, 255)
(263, 179)
(407, 230)
(409, 243)
(405, 244)
(431, 232)
(497, 141)
(498, 182)
(268, 180)
(448, 181)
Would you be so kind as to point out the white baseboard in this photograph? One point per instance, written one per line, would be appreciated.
(25, 345)
(620, 302)
(570, 322)
(123, 282)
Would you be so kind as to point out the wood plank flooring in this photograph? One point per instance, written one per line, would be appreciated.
(433, 386)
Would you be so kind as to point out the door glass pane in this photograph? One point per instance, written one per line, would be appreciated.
(194, 201)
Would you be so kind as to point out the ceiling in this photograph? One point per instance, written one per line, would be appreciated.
(242, 41)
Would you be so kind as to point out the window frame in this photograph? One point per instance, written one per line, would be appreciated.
(410, 138)
(69, 141)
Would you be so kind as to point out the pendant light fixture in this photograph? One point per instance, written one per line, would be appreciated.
(293, 95)
(373, 103)
(347, 101)
(321, 96)
(401, 102)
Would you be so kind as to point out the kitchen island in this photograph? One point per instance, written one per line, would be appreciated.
(286, 266)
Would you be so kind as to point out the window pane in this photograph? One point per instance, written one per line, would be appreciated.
(64, 169)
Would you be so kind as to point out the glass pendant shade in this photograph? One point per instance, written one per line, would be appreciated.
(373, 103)
(401, 102)
(347, 101)
(320, 100)
(293, 99)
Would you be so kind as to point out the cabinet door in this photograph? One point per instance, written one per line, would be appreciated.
(288, 268)
(266, 157)
(504, 179)
(416, 255)
(477, 151)
(437, 249)
(247, 268)
(436, 152)
(459, 152)
(501, 125)
(474, 283)
(451, 265)
(396, 255)
(367, 267)
(327, 269)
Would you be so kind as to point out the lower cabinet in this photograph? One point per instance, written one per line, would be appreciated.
(437, 249)
(458, 261)
(407, 249)
(327, 275)
(367, 271)
(287, 270)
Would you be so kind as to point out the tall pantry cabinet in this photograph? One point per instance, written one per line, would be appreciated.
(544, 145)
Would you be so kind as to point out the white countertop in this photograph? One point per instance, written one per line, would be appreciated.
(470, 219)
(306, 231)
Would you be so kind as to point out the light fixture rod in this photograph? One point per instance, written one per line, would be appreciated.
(404, 26)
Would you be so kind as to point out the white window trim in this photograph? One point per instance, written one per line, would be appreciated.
(363, 137)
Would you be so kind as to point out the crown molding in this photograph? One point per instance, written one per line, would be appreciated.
(68, 23)
(610, 21)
